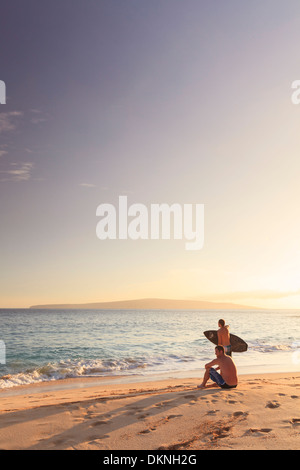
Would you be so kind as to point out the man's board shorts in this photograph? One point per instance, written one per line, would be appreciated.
(227, 350)
(218, 379)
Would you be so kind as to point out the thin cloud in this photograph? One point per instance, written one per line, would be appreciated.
(37, 116)
(8, 121)
(87, 185)
(37, 120)
(19, 172)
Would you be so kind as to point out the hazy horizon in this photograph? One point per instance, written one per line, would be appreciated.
(149, 303)
(162, 102)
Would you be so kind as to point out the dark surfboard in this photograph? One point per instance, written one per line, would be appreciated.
(237, 344)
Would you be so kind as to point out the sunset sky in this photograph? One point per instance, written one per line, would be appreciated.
(164, 102)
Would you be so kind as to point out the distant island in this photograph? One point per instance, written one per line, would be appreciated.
(151, 304)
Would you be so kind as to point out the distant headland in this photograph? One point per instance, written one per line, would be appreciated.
(151, 304)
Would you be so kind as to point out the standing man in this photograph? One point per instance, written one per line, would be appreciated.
(228, 373)
(224, 337)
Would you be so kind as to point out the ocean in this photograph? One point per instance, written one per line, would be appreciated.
(45, 345)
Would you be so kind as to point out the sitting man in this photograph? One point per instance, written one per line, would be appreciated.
(228, 373)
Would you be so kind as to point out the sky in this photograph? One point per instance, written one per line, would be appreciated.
(163, 102)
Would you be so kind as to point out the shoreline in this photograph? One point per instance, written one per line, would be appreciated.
(121, 381)
(76, 382)
(263, 412)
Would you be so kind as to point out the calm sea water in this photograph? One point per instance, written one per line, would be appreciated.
(44, 345)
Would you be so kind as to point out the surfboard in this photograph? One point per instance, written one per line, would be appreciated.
(237, 344)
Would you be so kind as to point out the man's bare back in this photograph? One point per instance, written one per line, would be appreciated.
(223, 336)
(227, 369)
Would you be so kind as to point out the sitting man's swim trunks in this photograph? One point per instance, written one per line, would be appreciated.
(218, 379)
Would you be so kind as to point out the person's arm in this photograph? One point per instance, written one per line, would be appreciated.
(219, 337)
(210, 364)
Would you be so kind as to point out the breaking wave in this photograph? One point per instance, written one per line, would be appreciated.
(66, 369)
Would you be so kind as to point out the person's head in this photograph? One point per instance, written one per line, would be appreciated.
(219, 350)
(221, 323)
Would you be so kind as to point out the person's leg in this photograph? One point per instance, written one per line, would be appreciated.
(216, 377)
(205, 379)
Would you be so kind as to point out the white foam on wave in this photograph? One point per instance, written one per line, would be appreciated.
(90, 368)
(69, 369)
(269, 348)
(149, 364)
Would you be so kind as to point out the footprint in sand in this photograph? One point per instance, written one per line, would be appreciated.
(259, 431)
(98, 423)
(295, 421)
(163, 421)
(272, 404)
(146, 431)
(240, 413)
(173, 416)
(212, 412)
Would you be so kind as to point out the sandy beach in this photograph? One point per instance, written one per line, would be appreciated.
(263, 412)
